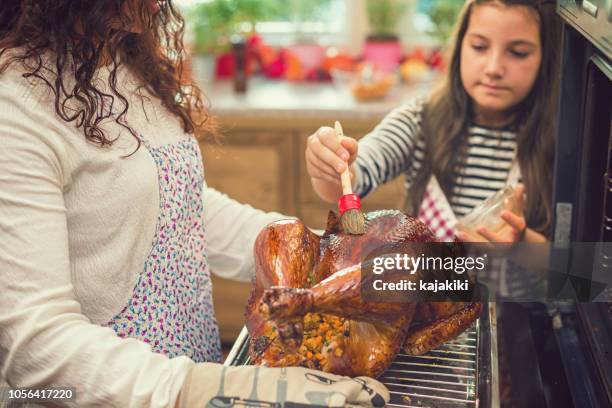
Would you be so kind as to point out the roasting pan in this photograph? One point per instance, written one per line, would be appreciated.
(460, 373)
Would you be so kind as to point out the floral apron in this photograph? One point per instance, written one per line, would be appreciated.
(171, 304)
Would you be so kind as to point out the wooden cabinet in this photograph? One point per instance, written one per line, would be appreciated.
(254, 166)
(263, 164)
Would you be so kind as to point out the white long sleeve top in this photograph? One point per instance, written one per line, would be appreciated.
(77, 223)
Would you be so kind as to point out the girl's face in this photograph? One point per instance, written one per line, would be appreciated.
(500, 56)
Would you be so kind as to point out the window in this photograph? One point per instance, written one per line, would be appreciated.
(436, 18)
(342, 23)
(298, 20)
(284, 21)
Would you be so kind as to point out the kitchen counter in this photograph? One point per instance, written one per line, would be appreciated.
(305, 101)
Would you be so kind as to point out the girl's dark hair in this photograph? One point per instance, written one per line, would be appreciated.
(448, 113)
(62, 42)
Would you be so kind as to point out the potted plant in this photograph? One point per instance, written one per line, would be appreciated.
(443, 14)
(382, 46)
(383, 16)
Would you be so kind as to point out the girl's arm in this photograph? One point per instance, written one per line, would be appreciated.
(379, 157)
(231, 230)
(391, 149)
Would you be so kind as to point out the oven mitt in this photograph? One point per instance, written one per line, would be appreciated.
(214, 386)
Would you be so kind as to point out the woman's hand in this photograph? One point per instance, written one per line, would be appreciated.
(515, 229)
(209, 384)
(326, 158)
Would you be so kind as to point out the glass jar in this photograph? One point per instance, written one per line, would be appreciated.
(488, 213)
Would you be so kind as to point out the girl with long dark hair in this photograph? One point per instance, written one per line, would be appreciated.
(489, 124)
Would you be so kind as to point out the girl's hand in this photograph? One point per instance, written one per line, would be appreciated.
(515, 229)
(512, 233)
(326, 158)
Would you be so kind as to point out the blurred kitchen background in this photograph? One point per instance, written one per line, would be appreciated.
(274, 71)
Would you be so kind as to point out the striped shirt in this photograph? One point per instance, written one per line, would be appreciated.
(397, 146)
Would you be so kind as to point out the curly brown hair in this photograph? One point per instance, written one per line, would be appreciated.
(73, 38)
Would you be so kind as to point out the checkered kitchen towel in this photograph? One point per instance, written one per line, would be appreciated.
(436, 212)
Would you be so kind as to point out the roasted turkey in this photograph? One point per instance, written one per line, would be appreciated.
(306, 308)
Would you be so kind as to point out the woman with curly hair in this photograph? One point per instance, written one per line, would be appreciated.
(107, 228)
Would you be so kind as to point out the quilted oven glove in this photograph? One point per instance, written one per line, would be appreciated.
(214, 386)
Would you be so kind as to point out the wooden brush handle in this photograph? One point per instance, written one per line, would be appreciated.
(345, 177)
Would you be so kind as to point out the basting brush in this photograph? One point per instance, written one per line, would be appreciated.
(349, 205)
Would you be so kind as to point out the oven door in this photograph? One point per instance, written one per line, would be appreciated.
(583, 218)
(583, 164)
